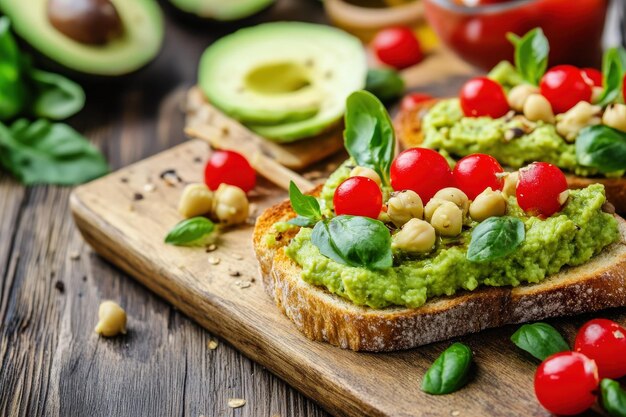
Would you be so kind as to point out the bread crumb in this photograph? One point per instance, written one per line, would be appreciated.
(212, 344)
(213, 260)
(236, 402)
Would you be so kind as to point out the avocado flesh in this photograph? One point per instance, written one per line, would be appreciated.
(139, 44)
(223, 10)
(285, 80)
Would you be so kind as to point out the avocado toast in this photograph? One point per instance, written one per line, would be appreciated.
(389, 282)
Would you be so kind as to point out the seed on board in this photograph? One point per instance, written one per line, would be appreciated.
(455, 413)
(112, 319)
(243, 284)
(212, 344)
(238, 257)
(212, 247)
(235, 273)
(149, 187)
(236, 402)
(74, 256)
(213, 260)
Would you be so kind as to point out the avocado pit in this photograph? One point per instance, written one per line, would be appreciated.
(93, 22)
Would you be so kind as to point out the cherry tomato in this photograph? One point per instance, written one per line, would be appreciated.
(358, 196)
(421, 170)
(565, 383)
(564, 86)
(397, 47)
(474, 173)
(230, 168)
(604, 341)
(410, 101)
(540, 189)
(481, 96)
(592, 76)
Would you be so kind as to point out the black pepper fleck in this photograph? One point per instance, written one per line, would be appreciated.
(59, 286)
(137, 196)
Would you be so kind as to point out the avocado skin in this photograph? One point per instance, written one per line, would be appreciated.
(200, 22)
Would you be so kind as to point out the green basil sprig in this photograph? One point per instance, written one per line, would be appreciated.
(196, 231)
(531, 54)
(354, 241)
(384, 83)
(306, 207)
(49, 153)
(613, 398)
(601, 147)
(369, 136)
(613, 68)
(449, 372)
(540, 340)
(56, 97)
(495, 238)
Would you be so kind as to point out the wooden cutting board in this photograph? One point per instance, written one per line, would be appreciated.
(125, 217)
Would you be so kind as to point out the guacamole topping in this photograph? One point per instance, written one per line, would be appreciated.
(570, 237)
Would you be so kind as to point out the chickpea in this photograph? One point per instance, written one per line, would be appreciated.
(367, 173)
(431, 206)
(111, 319)
(510, 184)
(404, 206)
(518, 95)
(615, 117)
(455, 196)
(416, 236)
(230, 205)
(575, 119)
(196, 200)
(538, 108)
(487, 204)
(447, 219)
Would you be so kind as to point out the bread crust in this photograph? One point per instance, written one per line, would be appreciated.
(408, 126)
(322, 316)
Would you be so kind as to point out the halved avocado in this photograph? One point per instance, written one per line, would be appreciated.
(132, 45)
(285, 80)
(223, 10)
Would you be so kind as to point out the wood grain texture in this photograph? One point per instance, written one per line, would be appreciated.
(129, 234)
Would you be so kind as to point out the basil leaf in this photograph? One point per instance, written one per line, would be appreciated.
(369, 135)
(191, 232)
(354, 241)
(449, 372)
(306, 207)
(13, 91)
(56, 96)
(613, 67)
(540, 340)
(601, 147)
(531, 54)
(47, 153)
(613, 398)
(384, 83)
(495, 238)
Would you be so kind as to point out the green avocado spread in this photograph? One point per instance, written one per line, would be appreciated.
(568, 238)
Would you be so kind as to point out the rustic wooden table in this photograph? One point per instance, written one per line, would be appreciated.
(51, 283)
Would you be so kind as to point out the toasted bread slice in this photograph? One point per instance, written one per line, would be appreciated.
(322, 316)
(408, 125)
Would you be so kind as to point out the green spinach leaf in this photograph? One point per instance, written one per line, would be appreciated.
(369, 135)
(306, 207)
(601, 147)
(449, 372)
(13, 92)
(613, 68)
(531, 54)
(56, 97)
(495, 238)
(540, 340)
(47, 153)
(613, 398)
(354, 241)
(196, 231)
(384, 83)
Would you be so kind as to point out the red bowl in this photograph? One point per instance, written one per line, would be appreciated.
(478, 34)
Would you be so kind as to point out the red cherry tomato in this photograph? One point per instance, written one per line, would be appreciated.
(592, 76)
(539, 189)
(230, 168)
(565, 383)
(604, 341)
(397, 47)
(410, 101)
(564, 86)
(474, 173)
(421, 170)
(358, 196)
(481, 96)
